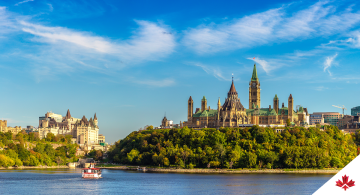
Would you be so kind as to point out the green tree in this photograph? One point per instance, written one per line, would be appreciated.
(132, 155)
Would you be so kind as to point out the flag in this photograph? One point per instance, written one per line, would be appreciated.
(254, 58)
(346, 181)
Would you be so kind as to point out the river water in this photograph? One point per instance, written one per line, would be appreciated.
(69, 181)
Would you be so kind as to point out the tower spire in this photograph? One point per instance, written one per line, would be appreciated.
(254, 74)
(68, 115)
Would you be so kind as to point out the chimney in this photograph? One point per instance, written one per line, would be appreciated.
(283, 105)
(269, 108)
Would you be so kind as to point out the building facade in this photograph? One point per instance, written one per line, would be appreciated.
(233, 114)
(86, 132)
(331, 118)
(316, 119)
(355, 111)
(4, 128)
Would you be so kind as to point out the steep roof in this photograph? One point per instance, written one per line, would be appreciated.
(290, 97)
(232, 88)
(276, 97)
(190, 98)
(254, 74)
(266, 112)
(204, 98)
(68, 115)
(95, 117)
(206, 113)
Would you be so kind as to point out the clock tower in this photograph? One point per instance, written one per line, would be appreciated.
(254, 90)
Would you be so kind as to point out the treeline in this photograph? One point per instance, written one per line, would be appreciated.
(28, 150)
(254, 147)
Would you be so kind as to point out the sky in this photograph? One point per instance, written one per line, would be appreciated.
(132, 62)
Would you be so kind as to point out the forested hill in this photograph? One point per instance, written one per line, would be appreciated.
(254, 147)
(28, 150)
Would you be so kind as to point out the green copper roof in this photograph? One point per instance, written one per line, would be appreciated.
(266, 112)
(276, 97)
(253, 105)
(261, 112)
(254, 74)
(204, 98)
(301, 109)
(206, 113)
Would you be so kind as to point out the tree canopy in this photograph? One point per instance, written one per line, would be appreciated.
(255, 147)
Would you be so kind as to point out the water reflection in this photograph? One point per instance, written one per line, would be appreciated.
(69, 181)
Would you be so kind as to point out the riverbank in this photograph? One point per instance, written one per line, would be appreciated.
(37, 167)
(277, 171)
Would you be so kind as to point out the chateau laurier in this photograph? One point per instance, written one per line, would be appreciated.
(233, 114)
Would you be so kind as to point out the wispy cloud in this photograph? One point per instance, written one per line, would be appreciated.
(263, 63)
(23, 2)
(353, 41)
(274, 25)
(320, 88)
(150, 43)
(155, 83)
(59, 50)
(215, 71)
(328, 62)
(63, 50)
(7, 23)
(51, 8)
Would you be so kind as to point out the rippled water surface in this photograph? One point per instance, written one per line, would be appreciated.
(65, 181)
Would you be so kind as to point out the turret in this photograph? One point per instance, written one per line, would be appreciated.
(68, 115)
(276, 103)
(95, 120)
(203, 104)
(219, 104)
(254, 90)
(290, 105)
(190, 108)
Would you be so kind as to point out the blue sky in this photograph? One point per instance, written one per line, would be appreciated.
(130, 62)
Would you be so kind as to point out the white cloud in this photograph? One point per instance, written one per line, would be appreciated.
(328, 62)
(55, 34)
(151, 42)
(355, 39)
(6, 22)
(263, 63)
(51, 8)
(320, 88)
(60, 50)
(240, 33)
(215, 71)
(274, 25)
(23, 2)
(155, 83)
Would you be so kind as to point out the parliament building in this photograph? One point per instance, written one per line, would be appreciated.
(233, 114)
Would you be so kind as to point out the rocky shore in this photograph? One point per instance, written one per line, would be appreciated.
(277, 171)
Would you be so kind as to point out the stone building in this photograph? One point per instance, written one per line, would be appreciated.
(86, 132)
(233, 114)
(4, 128)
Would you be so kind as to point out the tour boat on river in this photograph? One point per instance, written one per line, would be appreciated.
(91, 172)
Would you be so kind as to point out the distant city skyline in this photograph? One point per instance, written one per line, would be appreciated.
(130, 62)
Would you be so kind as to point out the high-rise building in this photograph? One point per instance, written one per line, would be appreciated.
(355, 111)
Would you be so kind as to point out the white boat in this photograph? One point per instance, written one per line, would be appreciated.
(91, 172)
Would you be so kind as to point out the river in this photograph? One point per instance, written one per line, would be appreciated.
(69, 181)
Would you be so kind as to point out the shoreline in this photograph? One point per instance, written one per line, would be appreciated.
(227, 171)
(36, 167)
